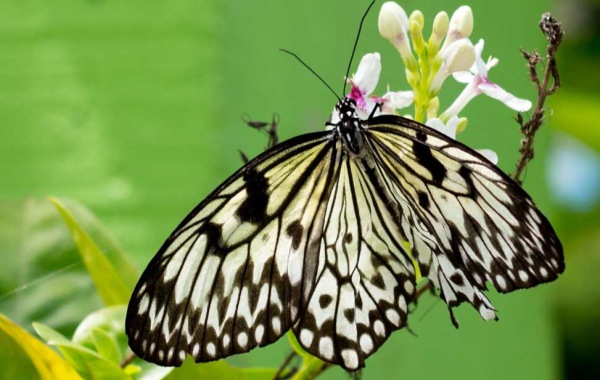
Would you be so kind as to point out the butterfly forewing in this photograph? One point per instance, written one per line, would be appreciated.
(234, 273)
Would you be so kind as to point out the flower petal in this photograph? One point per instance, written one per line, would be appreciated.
(367, 74)
(463, 76)
(494, 91)
(397, 99)
(449, 129)
(489, 154)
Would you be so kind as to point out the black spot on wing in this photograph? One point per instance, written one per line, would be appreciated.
(457, 279)
(295, 230)
(349, 314)
(425, 158)
(423, 199)
(325, 300)
(254, 207)
(214, 239)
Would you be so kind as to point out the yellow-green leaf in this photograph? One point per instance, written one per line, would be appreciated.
(49, 364)
(219, 370)
(107, 281)
(87, 362)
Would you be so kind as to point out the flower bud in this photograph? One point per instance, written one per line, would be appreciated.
(393, 25)
(434, 106)
(440, 27)
(458, 56)
(417, 16)
(461, 24)
(392, 20)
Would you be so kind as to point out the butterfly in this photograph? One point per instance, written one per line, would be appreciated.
(326, 233)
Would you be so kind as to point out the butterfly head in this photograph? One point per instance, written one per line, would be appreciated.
(346, 110)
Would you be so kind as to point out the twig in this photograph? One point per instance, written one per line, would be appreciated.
(271, 131)
(127, 360)
(288, 374)
(550, 83)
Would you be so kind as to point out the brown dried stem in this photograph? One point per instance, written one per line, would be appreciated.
(548, 86)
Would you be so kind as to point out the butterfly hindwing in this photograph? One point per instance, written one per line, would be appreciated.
(466, 220)
(366, 279)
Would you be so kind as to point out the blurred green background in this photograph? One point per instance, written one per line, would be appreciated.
(134, 108)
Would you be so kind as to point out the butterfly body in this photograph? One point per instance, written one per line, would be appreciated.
(325, 234)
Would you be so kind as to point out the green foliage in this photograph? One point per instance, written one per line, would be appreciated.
(41, 277)
(109, 283)
(33, 359)
(98, 348)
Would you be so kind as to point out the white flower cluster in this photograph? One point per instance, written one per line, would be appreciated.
(447, 52)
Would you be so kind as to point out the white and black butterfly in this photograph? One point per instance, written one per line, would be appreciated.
(311, 235)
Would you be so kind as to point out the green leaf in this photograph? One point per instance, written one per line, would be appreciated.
(87, 362)
(42, 277)
(107, 280)
(103, 332)
(311, 366)
(48, 364)
(219, 370)
(106, 345)
(111, 320)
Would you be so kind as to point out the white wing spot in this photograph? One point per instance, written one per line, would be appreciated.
(226, 340)
(181, 355)
(366, 343)
(402, 303)
(543, 272)
(259, 332)
(523, 275)
(276, 324)
(326, 347)
(171, 352)
(161, 355)
(211, 350)
(242, 339)
(393, 316)
(379, 328)
(501, 281)
(350, 358)
(144, 344)
(144, 303)
(196, 349)
(306, 337)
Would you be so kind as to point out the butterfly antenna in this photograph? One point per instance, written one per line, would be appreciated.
(312, 71)
(356, 43)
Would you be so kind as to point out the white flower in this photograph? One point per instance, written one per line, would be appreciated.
(478, 82)
(456, 57)
(394, 100)
(363, 83)
(449, 129)
(393, 25)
